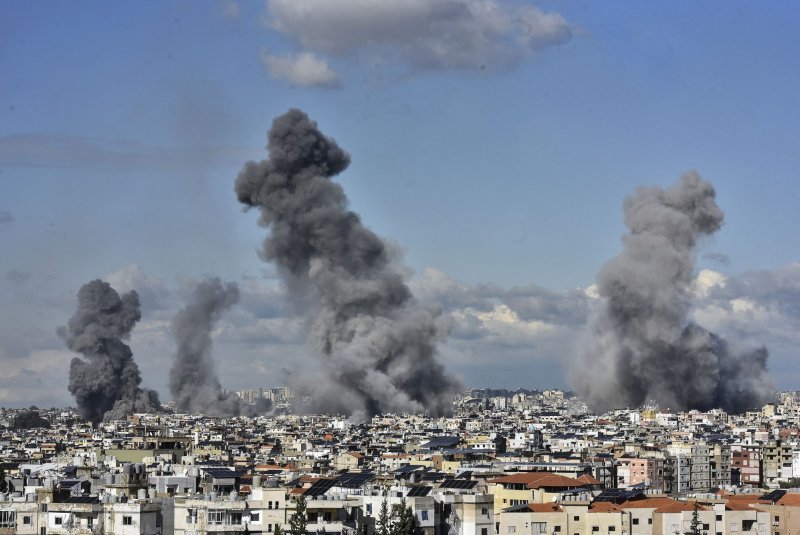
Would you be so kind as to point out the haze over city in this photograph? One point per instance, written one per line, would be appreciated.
(492, 160)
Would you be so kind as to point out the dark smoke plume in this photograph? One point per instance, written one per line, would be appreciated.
(106, 382)
(378, 342)
(193, 379)
(643, 346)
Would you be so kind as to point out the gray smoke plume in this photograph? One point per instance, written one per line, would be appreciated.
(378, 342)
(106, 382)
(643, 346)
(193, 379)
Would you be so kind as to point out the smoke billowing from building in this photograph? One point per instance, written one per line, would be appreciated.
(642, 345)
(378, 342)
(193, 380)
(106, 381)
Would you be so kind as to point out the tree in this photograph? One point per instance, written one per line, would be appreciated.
(278, 530)
(29, 419)
(299, 520)
(383, 518)
(406, 523)
(694, 526)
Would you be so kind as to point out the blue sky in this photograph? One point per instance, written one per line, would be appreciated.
(494, 153)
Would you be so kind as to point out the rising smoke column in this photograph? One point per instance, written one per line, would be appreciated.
(193, 379)
(106, 381)
(643, 346)
(378, 342)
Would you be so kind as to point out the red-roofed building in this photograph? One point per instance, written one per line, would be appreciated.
(530, 487)
(564, 518)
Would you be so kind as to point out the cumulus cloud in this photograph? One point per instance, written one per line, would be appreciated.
(303, 69)
(424, 35)
(759, 307)
(531, 330)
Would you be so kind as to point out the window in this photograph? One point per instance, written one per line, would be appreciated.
(235, 518)
(269, 528)
(484, 531)
(424, 514)
(44, 507)
(90, 522)
(485, 511)
(127, 520)
(719, 518)
(635, 521)
(576, 518)
(255, 517)
(27, 520)
(650, 521)
(777, 518)
(557, 529)
(58, 520)
(191, 515)
(216, 516)
(705, 527)
(369, 508)
(269, 505)
(747, 525)
(595, 529)
(612, 528)
(8, 519)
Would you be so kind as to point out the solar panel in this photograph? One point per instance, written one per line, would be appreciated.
(418, 491)
(441, 442)
(320, 487)
(354, 480)
(618, 495)
(773, 496)
(83, 499)
(460, 484)
(433, 476)
(221, 473)
(407, 468)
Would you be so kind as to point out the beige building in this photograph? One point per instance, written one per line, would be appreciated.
(529, 487)
(565, 518)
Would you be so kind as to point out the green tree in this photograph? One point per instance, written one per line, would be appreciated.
(278, 530)
(406, 524)
(299, 520)
(694, 525)
(383, 518)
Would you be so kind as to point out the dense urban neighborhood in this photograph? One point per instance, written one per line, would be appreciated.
(506, 463)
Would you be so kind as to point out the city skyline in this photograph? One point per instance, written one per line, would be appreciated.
(496, 162)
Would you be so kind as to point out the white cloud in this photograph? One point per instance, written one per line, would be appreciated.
(303, 69)
(421, 34)
(706, 281)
